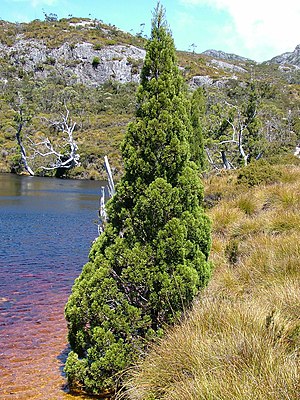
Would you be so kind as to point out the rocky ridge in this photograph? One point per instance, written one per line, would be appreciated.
(86, 63)
(224, 56)
(292, 58)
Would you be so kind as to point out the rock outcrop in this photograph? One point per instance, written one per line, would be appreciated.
(224, 56)
(226, 66)
(292, 58)
(206, 80)
(94, 63)
(81, 63)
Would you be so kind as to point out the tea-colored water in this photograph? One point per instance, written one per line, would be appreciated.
(46, 229)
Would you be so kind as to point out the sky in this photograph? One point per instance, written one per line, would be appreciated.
(256, 29)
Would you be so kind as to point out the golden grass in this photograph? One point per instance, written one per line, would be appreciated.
(241, 340)
(285, 196)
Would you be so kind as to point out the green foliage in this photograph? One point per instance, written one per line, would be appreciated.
(252, 140)
(245, 328)
(75, 30)
(152, 258)
(248, 121)
(50, 17)
(284, 159)
(95, 62)
(258, 172)
(97, 46)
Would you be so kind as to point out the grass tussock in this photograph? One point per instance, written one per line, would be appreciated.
(241, 340)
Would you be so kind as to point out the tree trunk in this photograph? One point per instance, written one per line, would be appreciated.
(22, 148)
(225, 161)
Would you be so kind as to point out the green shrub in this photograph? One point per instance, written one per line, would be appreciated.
(50, 61)
(97, 46)
(284, 159)
(258, 172)
(95, 62)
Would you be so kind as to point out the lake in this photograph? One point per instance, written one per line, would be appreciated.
(47, 226)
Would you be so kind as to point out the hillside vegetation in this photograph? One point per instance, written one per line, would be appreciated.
(93, 69)
(242, 339)
(55, 32)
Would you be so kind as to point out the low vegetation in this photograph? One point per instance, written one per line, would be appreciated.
(55, 32)
(101, 115)
(250, 113)
(242, 339)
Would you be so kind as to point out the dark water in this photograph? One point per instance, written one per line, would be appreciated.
(46, 229)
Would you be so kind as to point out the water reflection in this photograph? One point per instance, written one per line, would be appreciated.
(46, 228)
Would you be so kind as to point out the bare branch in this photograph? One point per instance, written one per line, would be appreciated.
(210, 160)
(45, 149)
(102, 212)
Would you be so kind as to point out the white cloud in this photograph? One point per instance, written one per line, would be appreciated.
(260, 24)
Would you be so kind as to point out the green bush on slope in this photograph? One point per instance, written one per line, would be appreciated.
(258, 172)
(151, 261)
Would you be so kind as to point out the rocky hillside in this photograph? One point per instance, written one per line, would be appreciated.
(84, 51)
(80, 62)
(91, 53)
(291, 58)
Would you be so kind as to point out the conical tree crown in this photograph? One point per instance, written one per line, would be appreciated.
(156, 144)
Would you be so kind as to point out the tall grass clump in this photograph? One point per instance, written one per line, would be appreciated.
(241, 341)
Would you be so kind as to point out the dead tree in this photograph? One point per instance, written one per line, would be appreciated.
(59, 157)
(65, 155)
(21, 122)
(237, 140)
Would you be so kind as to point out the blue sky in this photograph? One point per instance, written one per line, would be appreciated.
(257, 29)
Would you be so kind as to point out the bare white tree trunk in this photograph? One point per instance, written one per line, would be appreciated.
(210, 159)
(111, 185)
(64, 156)
(237, 138)
(111, 192)
(102, 211)
(20, 143)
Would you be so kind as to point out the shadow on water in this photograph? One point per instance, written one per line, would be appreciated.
(62, 357)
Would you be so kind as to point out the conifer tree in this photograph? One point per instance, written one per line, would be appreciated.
(152, 258)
